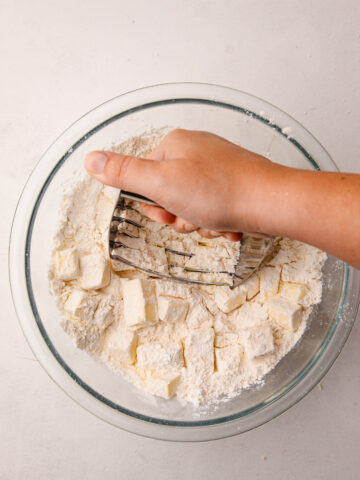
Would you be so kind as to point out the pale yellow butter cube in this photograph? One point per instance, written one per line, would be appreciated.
(228, 359)
(258, 342)
(66, 263)
(121, 344)
(269, 281)
(104, 314)
(251, 314)
(155, 356)
(287, 313)
(132, 215)
(228, 299)
(226, 339)
(199, 350)
(81, 305)
(171, 309)
(294, 291)
(198, 315)
(251, 286)
(163, 385)
(94, 271)
(139, 302)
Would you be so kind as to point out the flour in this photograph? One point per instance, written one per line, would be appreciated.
(195, 343)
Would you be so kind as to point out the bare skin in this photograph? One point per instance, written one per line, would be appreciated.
(206, 183)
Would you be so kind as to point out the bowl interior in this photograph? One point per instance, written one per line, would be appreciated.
(255, 132)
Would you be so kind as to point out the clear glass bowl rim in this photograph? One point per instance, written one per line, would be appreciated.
(194, 430)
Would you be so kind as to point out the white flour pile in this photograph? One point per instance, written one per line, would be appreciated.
(197, 343)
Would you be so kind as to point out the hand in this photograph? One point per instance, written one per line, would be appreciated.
(202, 182)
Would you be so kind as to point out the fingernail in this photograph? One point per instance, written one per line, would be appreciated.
(214, 234)
(95, 162)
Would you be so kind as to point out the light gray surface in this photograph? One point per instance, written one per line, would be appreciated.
(59, 59)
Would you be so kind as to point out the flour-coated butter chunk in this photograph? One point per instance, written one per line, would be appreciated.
(228, 359)
(104, 314)
(286, 313)
(283, 256)
(172, 289)
(128, 228)
(258, 342)
(139, 302)
(295, 273)
(132, 215)
(81, 305)
(163, 385)
(226, 339)
(251, 314)
(121, 345)
(199, 350)
(294, 291)
(228, 299)
(119, 266)
(251, 286)
(269, 281)
(198, 315)
(205, 258)
(155, 356)
(172, 309)
(66, 264)
(95, 271)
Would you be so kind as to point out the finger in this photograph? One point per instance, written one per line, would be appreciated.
(233, 236)
(203, 232)
(134, 174)
(182, 226)
(158, 214)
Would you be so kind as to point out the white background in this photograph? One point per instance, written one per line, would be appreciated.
(58, 59)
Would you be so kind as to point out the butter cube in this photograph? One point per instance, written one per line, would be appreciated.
(104, 314)
(95, 271)
(81, 305)
(198, 315)
(269, 281)
(294, 291)
(206, 258)
(295, 272)
(251, 314)
(228, 299)
(171, 309)
(132, 215)
(163, 385)
(287, 313)
(155, 356)
(121, 344)
(66, 264)
(283, 256)
(139, 302)
(228, 359)
(199, 350)
(226, 339)
(251, 286)
(258, 342)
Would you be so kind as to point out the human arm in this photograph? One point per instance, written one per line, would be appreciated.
(205, 182)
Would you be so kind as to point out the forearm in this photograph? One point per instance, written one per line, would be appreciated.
(319, 208)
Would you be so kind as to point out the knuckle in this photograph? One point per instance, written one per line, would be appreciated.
(120, 166)
(176, 134)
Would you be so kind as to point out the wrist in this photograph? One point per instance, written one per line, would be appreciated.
(261, 206)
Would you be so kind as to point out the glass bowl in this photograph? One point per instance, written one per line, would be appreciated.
(239, 117)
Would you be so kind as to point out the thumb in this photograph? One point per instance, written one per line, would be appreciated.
(134, 174)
